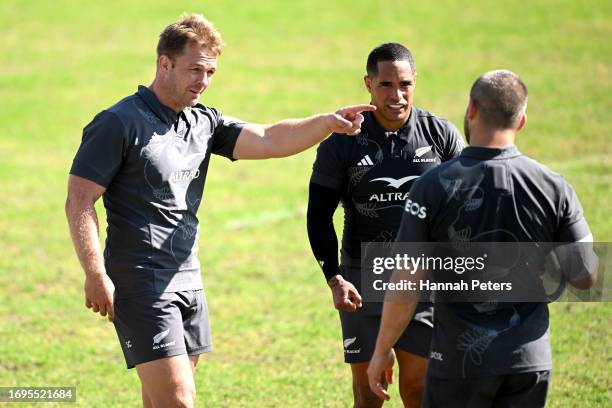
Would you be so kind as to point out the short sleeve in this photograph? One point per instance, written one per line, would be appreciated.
(414, 226)
(329, 168)
(572, 226)
(225, 134)
(454, 142)
(103, 148)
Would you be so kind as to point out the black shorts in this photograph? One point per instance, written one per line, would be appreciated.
(162, 325)
(523, 390)
(359, 332)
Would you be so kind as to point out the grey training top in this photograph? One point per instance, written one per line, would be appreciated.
(153, 163)
(492, 195)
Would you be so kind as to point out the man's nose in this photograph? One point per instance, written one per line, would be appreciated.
(397, 94)
(204, 80)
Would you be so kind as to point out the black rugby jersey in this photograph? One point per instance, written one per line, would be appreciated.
(375, 170)
(153, 163)
(491, 195)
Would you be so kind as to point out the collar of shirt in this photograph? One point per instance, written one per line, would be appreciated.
(164, 113)
(378, 133)
(491, 152)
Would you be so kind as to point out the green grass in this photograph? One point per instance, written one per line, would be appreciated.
(277, 337)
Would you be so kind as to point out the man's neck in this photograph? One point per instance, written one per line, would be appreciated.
(492, 138)
(158, 90)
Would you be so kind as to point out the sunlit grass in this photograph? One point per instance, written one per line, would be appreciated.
(276, 334)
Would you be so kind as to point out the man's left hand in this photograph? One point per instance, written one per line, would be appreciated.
(380, 373)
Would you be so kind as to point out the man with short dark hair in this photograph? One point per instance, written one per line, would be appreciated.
(148, 156)
(490, 353)
(371, 176)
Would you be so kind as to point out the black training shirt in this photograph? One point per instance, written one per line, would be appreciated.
(153, 163)
(375, 169)
(491, 195)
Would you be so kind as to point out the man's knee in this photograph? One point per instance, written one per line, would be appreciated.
(412, 385)
(168, 382)
(412, 373)
(176, 395)
(364, 397)
(185, 396)
(411, 394)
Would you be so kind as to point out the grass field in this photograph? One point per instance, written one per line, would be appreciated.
(277, 336)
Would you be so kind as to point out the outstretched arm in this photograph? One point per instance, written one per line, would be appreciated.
(292, 136)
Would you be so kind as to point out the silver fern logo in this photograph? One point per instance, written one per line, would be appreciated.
(475, 341)
(171, 164)
(349, 341)
(421, 151)
(157, 340)
(160, 336)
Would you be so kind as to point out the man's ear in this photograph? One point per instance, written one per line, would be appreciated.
(472, 109)
(522, 123)
(368, 83)
(164, 63)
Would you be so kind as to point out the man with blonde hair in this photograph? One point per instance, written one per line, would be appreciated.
(147, 156)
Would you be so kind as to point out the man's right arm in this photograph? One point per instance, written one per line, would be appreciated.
(322, 203)
(83, 224)
(291, 136)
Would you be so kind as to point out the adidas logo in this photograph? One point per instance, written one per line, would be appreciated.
(366, 161)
